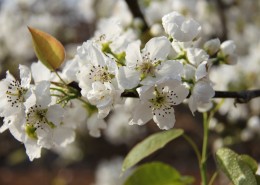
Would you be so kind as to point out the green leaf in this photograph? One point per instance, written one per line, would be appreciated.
(157, 173)
(149, 145)
(235, 168)
(250, 162)
(257, 179)
(47, 49)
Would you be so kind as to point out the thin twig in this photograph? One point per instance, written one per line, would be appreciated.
(239, 96)
(137, 13)
(222, 16)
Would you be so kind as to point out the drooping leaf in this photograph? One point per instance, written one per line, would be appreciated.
(47, 49)
(257, 179)
(149, 145)
(235, 168)
(250, 162)
(157, 173)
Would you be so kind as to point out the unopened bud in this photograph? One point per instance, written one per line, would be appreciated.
(212, 46)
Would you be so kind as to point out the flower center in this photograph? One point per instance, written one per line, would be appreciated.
(147, 66)
(159, 100)
(15, 93)
(100, 73)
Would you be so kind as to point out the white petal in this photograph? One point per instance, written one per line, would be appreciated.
(158, 47)
(133, 54)
(202, 70)
(5, 126)
(180, 92)
(63, 136)
(16, 126)
(203, 91)
(189, 72)
(40, 72)
(95, 125)
(196, 56)
(55, 114)
(145, 92)
(192, 104)
(103, 112)
(96, 56)
(164, 121)
(25, 75)
(228, 47)
(33, 150)
(142, 114)
(30, 101)
(171, 69)
(42, 92)
(201, 94)
(127, 78)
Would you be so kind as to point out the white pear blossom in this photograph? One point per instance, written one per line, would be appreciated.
(13, 95)
(94, 66)
(227, 52)
(197, 70)
(212, 46)
(118, 130)
(157, 103)
(201, 94)
(42, 126)
(103, 96)
(94, 125)
(108, 30)
(149, 65)
(181, 29)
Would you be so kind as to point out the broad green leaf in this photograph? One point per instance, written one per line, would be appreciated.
(47, 49)
(235, 168)
(250, 162)
(157, 173)
(149, 145)
(257, 179)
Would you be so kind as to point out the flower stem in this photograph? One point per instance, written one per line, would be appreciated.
(203, 164)
(194, 146)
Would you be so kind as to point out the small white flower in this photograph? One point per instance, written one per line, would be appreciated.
(149, 65)
(40, 72)
(103, 96)
(157, 102)
(108, 30)
(227, 52)
(95, 125)
(201, 94)
(179, 28)
(118, 130)
(212, 46)
(42, 124)
(94, 67)
(14, 94)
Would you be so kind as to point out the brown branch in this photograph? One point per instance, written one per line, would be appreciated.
(222, 16)
(137, 13)
(239, 96)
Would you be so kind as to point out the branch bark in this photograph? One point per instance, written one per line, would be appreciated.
(239, 96)
(137, 13)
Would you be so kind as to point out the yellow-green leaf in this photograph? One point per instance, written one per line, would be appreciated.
(235, 167)
(157, 173)
(48, 49)
(150, 145)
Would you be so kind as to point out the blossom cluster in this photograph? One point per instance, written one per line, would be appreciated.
(161, 73)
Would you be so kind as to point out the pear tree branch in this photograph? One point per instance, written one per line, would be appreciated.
(137, 13)
(239, 96)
